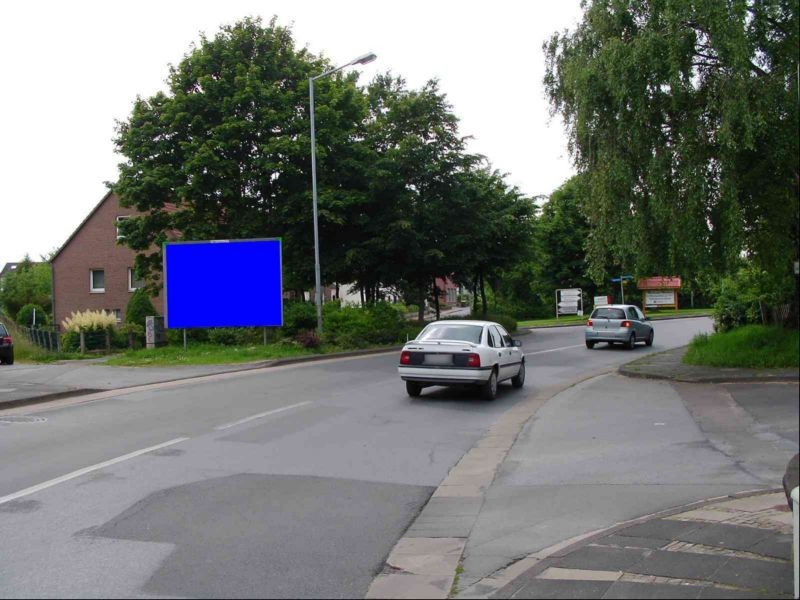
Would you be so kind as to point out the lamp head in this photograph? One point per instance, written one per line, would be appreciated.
(364, 59)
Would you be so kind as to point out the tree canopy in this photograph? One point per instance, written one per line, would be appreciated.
(29, 283)
(683, 116)
(225, 154)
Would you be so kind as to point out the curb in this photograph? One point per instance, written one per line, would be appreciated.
(424, 561)
(538, 562)
(264, 364)
(533, 327)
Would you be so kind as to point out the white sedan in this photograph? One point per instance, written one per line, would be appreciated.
(477, 353)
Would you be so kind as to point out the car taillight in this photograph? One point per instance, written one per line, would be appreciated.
(625, 324)
(473, 360)
(405, 358)
(6, 340)
(589, 323)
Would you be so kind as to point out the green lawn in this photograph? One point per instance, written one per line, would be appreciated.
(211, 354)
(751, 346)
(208, 354)
(654, 315)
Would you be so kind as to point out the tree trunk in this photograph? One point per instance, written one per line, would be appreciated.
(483, 296)
(475, 296)
(436, 298)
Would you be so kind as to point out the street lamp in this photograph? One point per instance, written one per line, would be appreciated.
(361, 60)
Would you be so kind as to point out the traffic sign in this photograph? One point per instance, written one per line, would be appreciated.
(617, 279)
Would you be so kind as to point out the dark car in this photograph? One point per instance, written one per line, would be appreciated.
(6, 346)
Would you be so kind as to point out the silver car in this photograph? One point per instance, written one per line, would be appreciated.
(618, 324)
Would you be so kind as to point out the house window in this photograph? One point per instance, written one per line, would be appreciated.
(134, 282)
(117, 314)
(97, 280)
(120, 236)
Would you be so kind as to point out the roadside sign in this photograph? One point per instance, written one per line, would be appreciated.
(621, 278)
(602, 300)
(569, 301)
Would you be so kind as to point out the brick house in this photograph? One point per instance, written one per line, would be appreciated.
(92, 271)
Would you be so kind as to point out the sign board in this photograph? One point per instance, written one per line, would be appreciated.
(223, 283)
(602, 300)
(659, 298)
(569, 302)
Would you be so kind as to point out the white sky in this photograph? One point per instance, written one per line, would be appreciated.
(71, 68)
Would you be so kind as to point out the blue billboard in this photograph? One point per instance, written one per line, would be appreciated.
(223, 283)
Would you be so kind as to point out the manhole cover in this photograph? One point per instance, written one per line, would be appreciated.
(22, 419)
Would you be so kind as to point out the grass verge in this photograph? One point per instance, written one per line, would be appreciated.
(211, 354)
(750, 346)
(653, 315)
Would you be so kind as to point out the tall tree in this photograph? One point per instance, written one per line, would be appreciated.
(683, 115)
(224, 153)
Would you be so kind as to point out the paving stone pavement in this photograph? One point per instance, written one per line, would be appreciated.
(729, 548)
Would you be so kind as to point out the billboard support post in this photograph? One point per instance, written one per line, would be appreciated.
(184, 339)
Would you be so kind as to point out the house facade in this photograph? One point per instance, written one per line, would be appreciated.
(91, 271)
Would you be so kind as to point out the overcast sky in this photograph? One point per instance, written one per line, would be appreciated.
(71, 68)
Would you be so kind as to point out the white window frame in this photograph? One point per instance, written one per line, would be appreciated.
(93, 289)
(130, 280)
(121, 218)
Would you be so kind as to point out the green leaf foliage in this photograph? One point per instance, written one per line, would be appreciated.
(683, 116)
(29, 283)
(139, 307)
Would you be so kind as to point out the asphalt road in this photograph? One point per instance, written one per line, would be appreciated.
(288, 482)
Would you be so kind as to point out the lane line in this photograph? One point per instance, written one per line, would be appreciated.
(260, 415)
(554, 349)
(84, 471)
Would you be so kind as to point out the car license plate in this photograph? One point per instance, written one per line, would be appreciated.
(439, 359)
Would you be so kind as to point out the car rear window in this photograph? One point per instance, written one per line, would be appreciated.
(455, 332)
(608, 313)
(3, 330)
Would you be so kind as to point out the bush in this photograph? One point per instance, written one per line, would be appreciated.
(139, 307)
(308, 339)
(25, 315)
(742, 297)
(175, 336)
(298, 316)
(89, 321)
(354, 327)
(234, 336)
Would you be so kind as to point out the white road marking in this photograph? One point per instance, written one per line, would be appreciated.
(8, 390)
(84, 471)
(260, 415)
(554, 349)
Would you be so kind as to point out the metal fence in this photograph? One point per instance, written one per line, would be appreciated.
(47, 339)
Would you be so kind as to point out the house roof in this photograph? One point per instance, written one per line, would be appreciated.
(79, 227)
(8, 268)
(168, 207)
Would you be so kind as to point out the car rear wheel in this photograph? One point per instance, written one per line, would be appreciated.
(631, 342)
(589, 344)
(519, 380)
(413, 389)
(489, 389)
(649, 340)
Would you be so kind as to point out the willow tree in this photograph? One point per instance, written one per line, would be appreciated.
(683, 115)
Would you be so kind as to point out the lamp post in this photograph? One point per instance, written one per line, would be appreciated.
(361, 60)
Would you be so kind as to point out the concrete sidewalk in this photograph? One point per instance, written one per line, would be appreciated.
(594, 458)
(23, 384)
(731, 548)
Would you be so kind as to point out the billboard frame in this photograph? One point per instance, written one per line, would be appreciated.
(183, 242)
